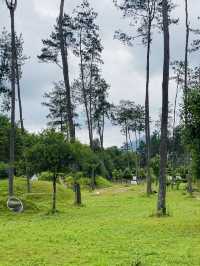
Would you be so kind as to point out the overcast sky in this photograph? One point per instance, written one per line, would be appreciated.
(124, 67)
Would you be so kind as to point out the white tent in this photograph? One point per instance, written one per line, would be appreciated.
(34, 178)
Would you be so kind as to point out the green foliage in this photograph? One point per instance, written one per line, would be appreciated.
(3, 170)
(79, 178)
(142, 173)
(101, 182)
(182, 171)
(154, 178)
(196, 163)
(85, 182)
(84, 159)
(155, 165)
(192, 131)
(120, 159)
(69, 180)
(127, 173)
(155, 144)
(117, 174)
(5, 140)
(45, 176)
(50, 153)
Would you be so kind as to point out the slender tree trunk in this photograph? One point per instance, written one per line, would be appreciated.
(64, 55)
(85, 96)
(147, 123)
(61, 113)
(19, 94)
(126, 144)
(139, 157)
(126, 133)
(189, 186)
(186, 58)
(173, 130)
(77, 189)
(90, 98)
(54, 194)
(28, 184)
(136, 141)
(102, 132)
(12, 130)
(161, 205)
(132, 149)
(93, 181)
(100, 129)
(186, 81)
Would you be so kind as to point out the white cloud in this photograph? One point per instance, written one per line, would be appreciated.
(46, 8)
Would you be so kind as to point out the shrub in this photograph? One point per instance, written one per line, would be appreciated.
(3, 170)
(84, 181)
(78, 175)
(102, 182)
(117, 174)
(69, 180)
(45, 176)
(127, 173)
(182, 171)
(142, 173)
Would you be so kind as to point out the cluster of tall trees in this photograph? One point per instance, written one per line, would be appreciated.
(78, 35)
(146, 17)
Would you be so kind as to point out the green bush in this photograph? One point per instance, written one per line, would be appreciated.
(3, 170)
(155, 165)
(46, 176)
(182, 171)
(127, 173)
(78, 175)
(84, 181)
(142, 173)
(117, 174)
(69, 180)
(102, 182)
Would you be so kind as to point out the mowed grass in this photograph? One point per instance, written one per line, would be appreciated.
(113, 227)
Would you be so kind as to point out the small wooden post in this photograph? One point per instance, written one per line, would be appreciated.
(77, 189)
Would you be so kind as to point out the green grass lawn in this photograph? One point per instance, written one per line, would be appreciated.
(115, 227)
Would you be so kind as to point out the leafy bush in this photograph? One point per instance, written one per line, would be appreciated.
(117, 174)
(182, 171)
(84, 181)
(142, 173)
(127, 173)
(195, 164)
(102, 182)
(78, 175)
(155, 165)
(3, 170)
(154, 178)
(45, 176)
(69, 180)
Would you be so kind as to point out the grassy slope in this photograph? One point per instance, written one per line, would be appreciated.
(113, 228)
